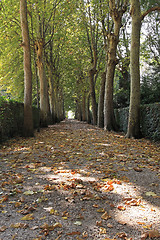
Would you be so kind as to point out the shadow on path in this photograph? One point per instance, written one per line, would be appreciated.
(76, 181)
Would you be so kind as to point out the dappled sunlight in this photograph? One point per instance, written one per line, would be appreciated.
(81, 183)
(67, 175)
(130, 208)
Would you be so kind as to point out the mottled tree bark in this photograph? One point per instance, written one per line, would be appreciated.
(134, 110)
(92, 73)
(116, 13)
(100, 122)
(84, 118)
(28, 119)
(44, 99)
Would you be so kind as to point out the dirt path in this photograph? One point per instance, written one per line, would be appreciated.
(75, 181)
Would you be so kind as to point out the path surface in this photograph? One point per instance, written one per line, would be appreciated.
(75, 181)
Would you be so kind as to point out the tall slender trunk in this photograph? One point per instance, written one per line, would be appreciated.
(88, 109)
(100, 122)
(78, 110)
(116, 13)
(134, 109)
(28, 119)
(109, 118)
(44, 101)
(84, 118)
(51, 93)
(93, 95)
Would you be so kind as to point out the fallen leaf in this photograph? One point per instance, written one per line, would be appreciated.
(19, 225)
(101, 210)
(4, 198)
(102, 230)
(34, 228)
(85, 234)
(122, 235)
(151, 194)
(99, 223)
(59, 225)
(121, 208)
(17, 204)
(133, 202)
(42, 218)
(122, 222)
(109, 225)
(105, 216)
(95, 205)
(29, 192)
(27, 210)
(141, 223)
(28, 217)
(3, 228)
(137, 169)
(78, 223)
(18, 179)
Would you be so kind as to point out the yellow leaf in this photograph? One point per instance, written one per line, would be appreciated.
(52, 211)
(95, 205)
(28, 217)
(102, 230)
(147, 226)
(19, 225)
(105, 216)
(101, 210)
(59, 225)
(18, 204)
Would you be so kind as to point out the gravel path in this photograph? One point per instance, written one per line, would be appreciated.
(76, 181)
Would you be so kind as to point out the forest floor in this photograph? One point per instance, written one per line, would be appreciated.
(76, 181)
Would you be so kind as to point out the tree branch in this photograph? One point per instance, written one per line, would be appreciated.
(149, 11)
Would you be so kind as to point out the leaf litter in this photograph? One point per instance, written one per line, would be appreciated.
(75, 181)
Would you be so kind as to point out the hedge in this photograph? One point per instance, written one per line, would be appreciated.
(149, 120)
(11, 119)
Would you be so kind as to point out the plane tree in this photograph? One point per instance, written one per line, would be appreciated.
(137, 18)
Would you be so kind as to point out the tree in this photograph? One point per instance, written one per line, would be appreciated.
(150, 52)
(11, 54)
(134, 110)
(90, 11)
(116, 11)
(28, 120)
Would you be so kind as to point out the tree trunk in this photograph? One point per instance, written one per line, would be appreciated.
(78, 111)
(116, 13)
(93, 96)
(44, 102)
(101, 101)
(84, 107)
(134, 109)
(28, 119)
(109, 118)
(51, 93)
(88, 110)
